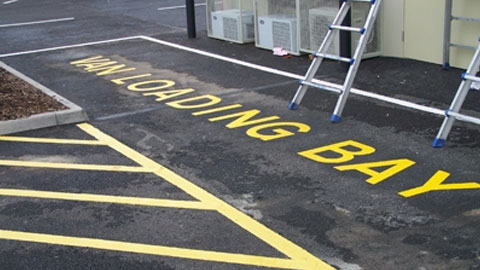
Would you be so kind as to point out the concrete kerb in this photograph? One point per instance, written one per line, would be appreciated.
(74, 113)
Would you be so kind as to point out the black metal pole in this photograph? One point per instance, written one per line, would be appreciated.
(191, 29)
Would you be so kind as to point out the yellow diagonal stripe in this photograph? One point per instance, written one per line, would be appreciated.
(49, 140)
(150, 249)
(72, 166)
(301, 258)
(104, 199)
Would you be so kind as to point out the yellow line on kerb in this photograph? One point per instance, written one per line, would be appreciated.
(96, 198)
(73, 166)
(49, 140)
(149, 249)
(300, 257)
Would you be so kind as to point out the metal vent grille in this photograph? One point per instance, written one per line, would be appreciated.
(319, 19)
(359, 16)
(318, 30)
(250, 30)
(230, 28)
(373, 44)
(282, 35)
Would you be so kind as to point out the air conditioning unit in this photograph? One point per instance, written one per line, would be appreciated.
(374, 42)
(233, 24)
(278, 31)
(318, 21)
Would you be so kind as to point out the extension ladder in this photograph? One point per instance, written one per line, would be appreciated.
(449, 17)
(453, 112)
(354, 62)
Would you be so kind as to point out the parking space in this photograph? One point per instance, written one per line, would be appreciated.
(70, 22)
(191, 159)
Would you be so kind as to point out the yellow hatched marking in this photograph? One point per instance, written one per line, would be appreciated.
(72, 166)
(49, 140)
(104, 199)
(153, 250)
(300, 258)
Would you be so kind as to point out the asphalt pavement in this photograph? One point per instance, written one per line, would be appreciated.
(192, 160)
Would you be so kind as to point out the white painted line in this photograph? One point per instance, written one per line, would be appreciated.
(359, 92)
(69, 46)
(355, 91)
(179, 7)
(37, 22)
(224, 58)
(465, 118)
(9, 2)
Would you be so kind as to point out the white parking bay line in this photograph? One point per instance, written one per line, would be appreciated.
(9, 2)
(37, 22)
(179, 7)
(355, 91)
(69, 46)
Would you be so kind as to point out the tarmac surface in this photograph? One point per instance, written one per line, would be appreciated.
(281, 190)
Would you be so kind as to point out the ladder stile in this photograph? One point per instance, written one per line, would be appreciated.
(447, 32)
(453, 112)
(302, 89)
(352, 72)
(354, 62)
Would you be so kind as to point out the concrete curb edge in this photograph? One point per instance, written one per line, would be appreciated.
(74, 113)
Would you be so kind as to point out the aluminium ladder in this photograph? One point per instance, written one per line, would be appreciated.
(453, 112)
(449, 17)
(354, 61)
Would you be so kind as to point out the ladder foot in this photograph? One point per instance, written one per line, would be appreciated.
(446, 66)
(293, 106)
(335, 118)
(438, 143)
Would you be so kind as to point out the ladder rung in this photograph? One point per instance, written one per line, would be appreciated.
(463, 46)
(466, 76)
(365, 1)
(347, 28)
(466, 19)
(322, 87)
(335, 57)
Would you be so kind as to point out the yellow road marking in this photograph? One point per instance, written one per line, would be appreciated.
(213, 256)
(49, 140)
(298, 257)
(301, 259)
(104, 199)
(72, 166)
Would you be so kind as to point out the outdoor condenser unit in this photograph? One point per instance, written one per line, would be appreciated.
(233, 24)
(318, 21)
(278, 31)
(374, 43)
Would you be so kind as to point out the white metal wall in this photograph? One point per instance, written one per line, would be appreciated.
(393, 21)
(423, 26)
